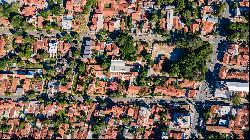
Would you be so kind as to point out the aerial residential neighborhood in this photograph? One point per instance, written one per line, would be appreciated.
(124, 69)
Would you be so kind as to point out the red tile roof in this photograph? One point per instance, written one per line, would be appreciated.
(29, 11)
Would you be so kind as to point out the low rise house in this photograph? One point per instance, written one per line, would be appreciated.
(53, 48)
(67, 22)
(87, 52)
(118, 67)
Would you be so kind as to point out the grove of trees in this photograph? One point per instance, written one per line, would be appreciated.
(192, 64)
(126, 44)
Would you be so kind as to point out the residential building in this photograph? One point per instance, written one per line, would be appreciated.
(53, 48)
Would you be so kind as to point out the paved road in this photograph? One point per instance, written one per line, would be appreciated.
(148, 37)
(226, 13)
(38, 33)
(204, 93)
(146, 100)
(13, 97)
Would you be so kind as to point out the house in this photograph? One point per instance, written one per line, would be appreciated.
(236, 74)
(78, 4)
(108, 8)
(67, 22)
(221, 110)
(222, 94)
(237, 86)
(219, 129)
(133, 91)
(99, 23)
(192, 93)
(53, 48)
(111, 49)
(4, 22)
(169, 91)
(40, 45)
(2, 45)
(195, 27)
(208, 23)
(176, 134)
(8, 1)
(244, 6)
(236, 55)
(39, 22)
(19, 39)
(69, 5)
(87, 52)
(118, 67)
(39, 4)
(64, 48)
(29, 11)
(182, 120)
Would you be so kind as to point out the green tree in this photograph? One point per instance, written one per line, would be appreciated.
(56, 10)
(236, 99)
(180, 4)
(7, 93)
(237, 31)
(45, 13)
(81, 67)
(220, 9)
(6, 9)
(126, 45)
(174, 70)
(5, 127)
(29, 39)
(31, 94)
(98, 126)
(192, 65)
(206, 115)
(187, 17)
(2, 64)
(16, 21)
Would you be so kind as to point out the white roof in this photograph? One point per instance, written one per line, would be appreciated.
(238, 86)
(224, 110)
(223, 122)
(53, 46)
(66, 23)
(221, 94)
(100, 21)
(119, 66)
(117, 63)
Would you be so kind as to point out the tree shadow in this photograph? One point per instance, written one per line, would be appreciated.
(222, 27)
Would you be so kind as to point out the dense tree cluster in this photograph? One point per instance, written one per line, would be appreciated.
(187, 9)
(88, 5)
(238, 31)
(126, 44)
(219, 8)
(192, 64)
(236, 99)
(8, 10)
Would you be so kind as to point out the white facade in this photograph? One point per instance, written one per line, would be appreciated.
(224, 110)
(53, 48)
(67, 22)
(100, 21)
(221, 94)
(119, 66)
(117, 24)
(8, 1)
(170, 14)
(237, 86)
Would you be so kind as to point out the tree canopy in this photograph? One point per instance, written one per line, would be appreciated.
(192, 64)
(126, 44)
(237, 31)
(236, 99)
